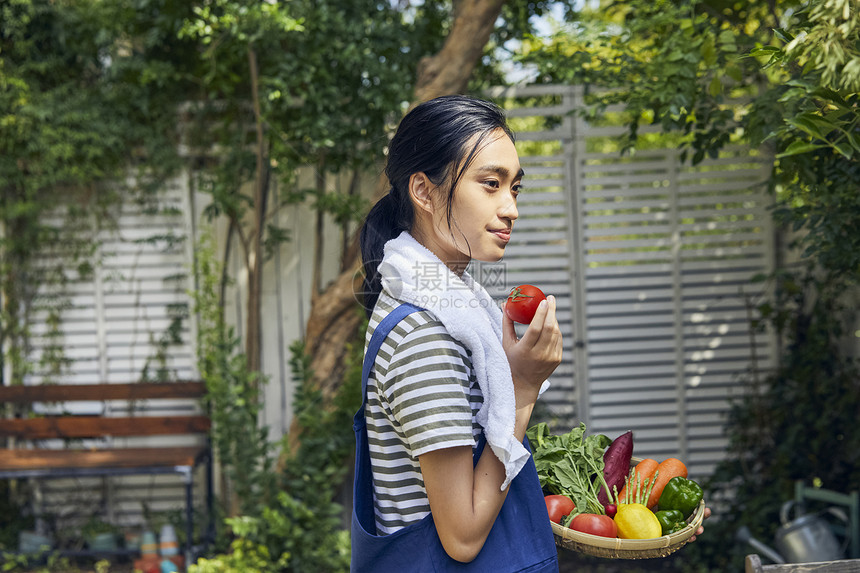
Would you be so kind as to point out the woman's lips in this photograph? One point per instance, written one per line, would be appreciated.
(503, 234)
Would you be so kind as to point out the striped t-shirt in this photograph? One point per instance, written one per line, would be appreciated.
(422, 396)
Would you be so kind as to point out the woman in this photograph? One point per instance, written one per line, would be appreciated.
(444, 480)
(451, 376)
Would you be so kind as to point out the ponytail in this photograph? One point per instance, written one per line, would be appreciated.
(385, 221)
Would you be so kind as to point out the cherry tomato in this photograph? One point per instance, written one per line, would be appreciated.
(523, 302)
(557, 506)
(594, 524)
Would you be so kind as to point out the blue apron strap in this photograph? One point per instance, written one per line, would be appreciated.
(363, 486)
(385, 326)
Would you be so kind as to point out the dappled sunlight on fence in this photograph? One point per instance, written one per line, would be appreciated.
(650, 258)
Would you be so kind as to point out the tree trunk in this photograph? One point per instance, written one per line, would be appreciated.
(255, 258)
(448, 71)
(335, 315)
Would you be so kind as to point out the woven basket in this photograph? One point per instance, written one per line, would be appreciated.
(616, 548)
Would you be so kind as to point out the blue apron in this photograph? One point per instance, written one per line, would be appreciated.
(521, 539)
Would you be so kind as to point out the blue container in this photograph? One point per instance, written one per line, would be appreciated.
(32, 542)
(102, 542)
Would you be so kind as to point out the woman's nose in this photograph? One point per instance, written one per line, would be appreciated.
(509, 209)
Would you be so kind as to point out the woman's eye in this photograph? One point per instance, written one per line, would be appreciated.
(492, 183)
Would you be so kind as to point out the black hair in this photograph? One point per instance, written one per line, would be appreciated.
(433, 138)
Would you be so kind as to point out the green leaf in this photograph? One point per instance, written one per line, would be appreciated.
(844, 147)
(831, 95)
(715, 88)
(783, 35)
(734, 72)
(727, 36)
(798, 147)
(765, 50)
(855, 141)
(709, 51)
(813, 124)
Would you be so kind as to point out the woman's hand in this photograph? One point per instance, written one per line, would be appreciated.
(538, 353)
(701, 529)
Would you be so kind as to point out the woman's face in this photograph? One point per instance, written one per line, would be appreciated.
(484, 207)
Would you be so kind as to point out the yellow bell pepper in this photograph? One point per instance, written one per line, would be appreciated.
(635, 521)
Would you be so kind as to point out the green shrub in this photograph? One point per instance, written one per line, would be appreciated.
(302, 529)
(799, 423)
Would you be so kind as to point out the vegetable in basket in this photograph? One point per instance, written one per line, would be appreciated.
(681, 494)
(558, 506)
(616, 464)
(668, 468)
(594, 524)
(671, 520)
(570, 464)
(611, 509)
(635, 521)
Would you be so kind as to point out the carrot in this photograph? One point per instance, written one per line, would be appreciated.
(668, 468)
(644, 470)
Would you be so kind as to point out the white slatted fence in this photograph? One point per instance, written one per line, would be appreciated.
(650, 259)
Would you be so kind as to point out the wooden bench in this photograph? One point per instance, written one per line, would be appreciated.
(38, 461)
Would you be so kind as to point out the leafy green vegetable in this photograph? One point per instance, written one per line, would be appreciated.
(570, 464)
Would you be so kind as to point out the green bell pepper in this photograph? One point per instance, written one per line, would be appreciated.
(671, 520)
(681, 494)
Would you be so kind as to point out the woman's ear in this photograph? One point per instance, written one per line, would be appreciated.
(420, 190)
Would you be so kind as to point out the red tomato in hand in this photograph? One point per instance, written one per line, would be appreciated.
(557, 506)
(523, 302)
(595, 524)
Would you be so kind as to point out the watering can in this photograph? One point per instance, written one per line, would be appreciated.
(808, 538)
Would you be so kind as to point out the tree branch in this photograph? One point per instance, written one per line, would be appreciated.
(345, 244)
(319, 240)
(228, 246)
(243, 239)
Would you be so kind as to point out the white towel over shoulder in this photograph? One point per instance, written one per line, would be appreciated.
(412, 273)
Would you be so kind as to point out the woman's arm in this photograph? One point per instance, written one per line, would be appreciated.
(465, 499)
